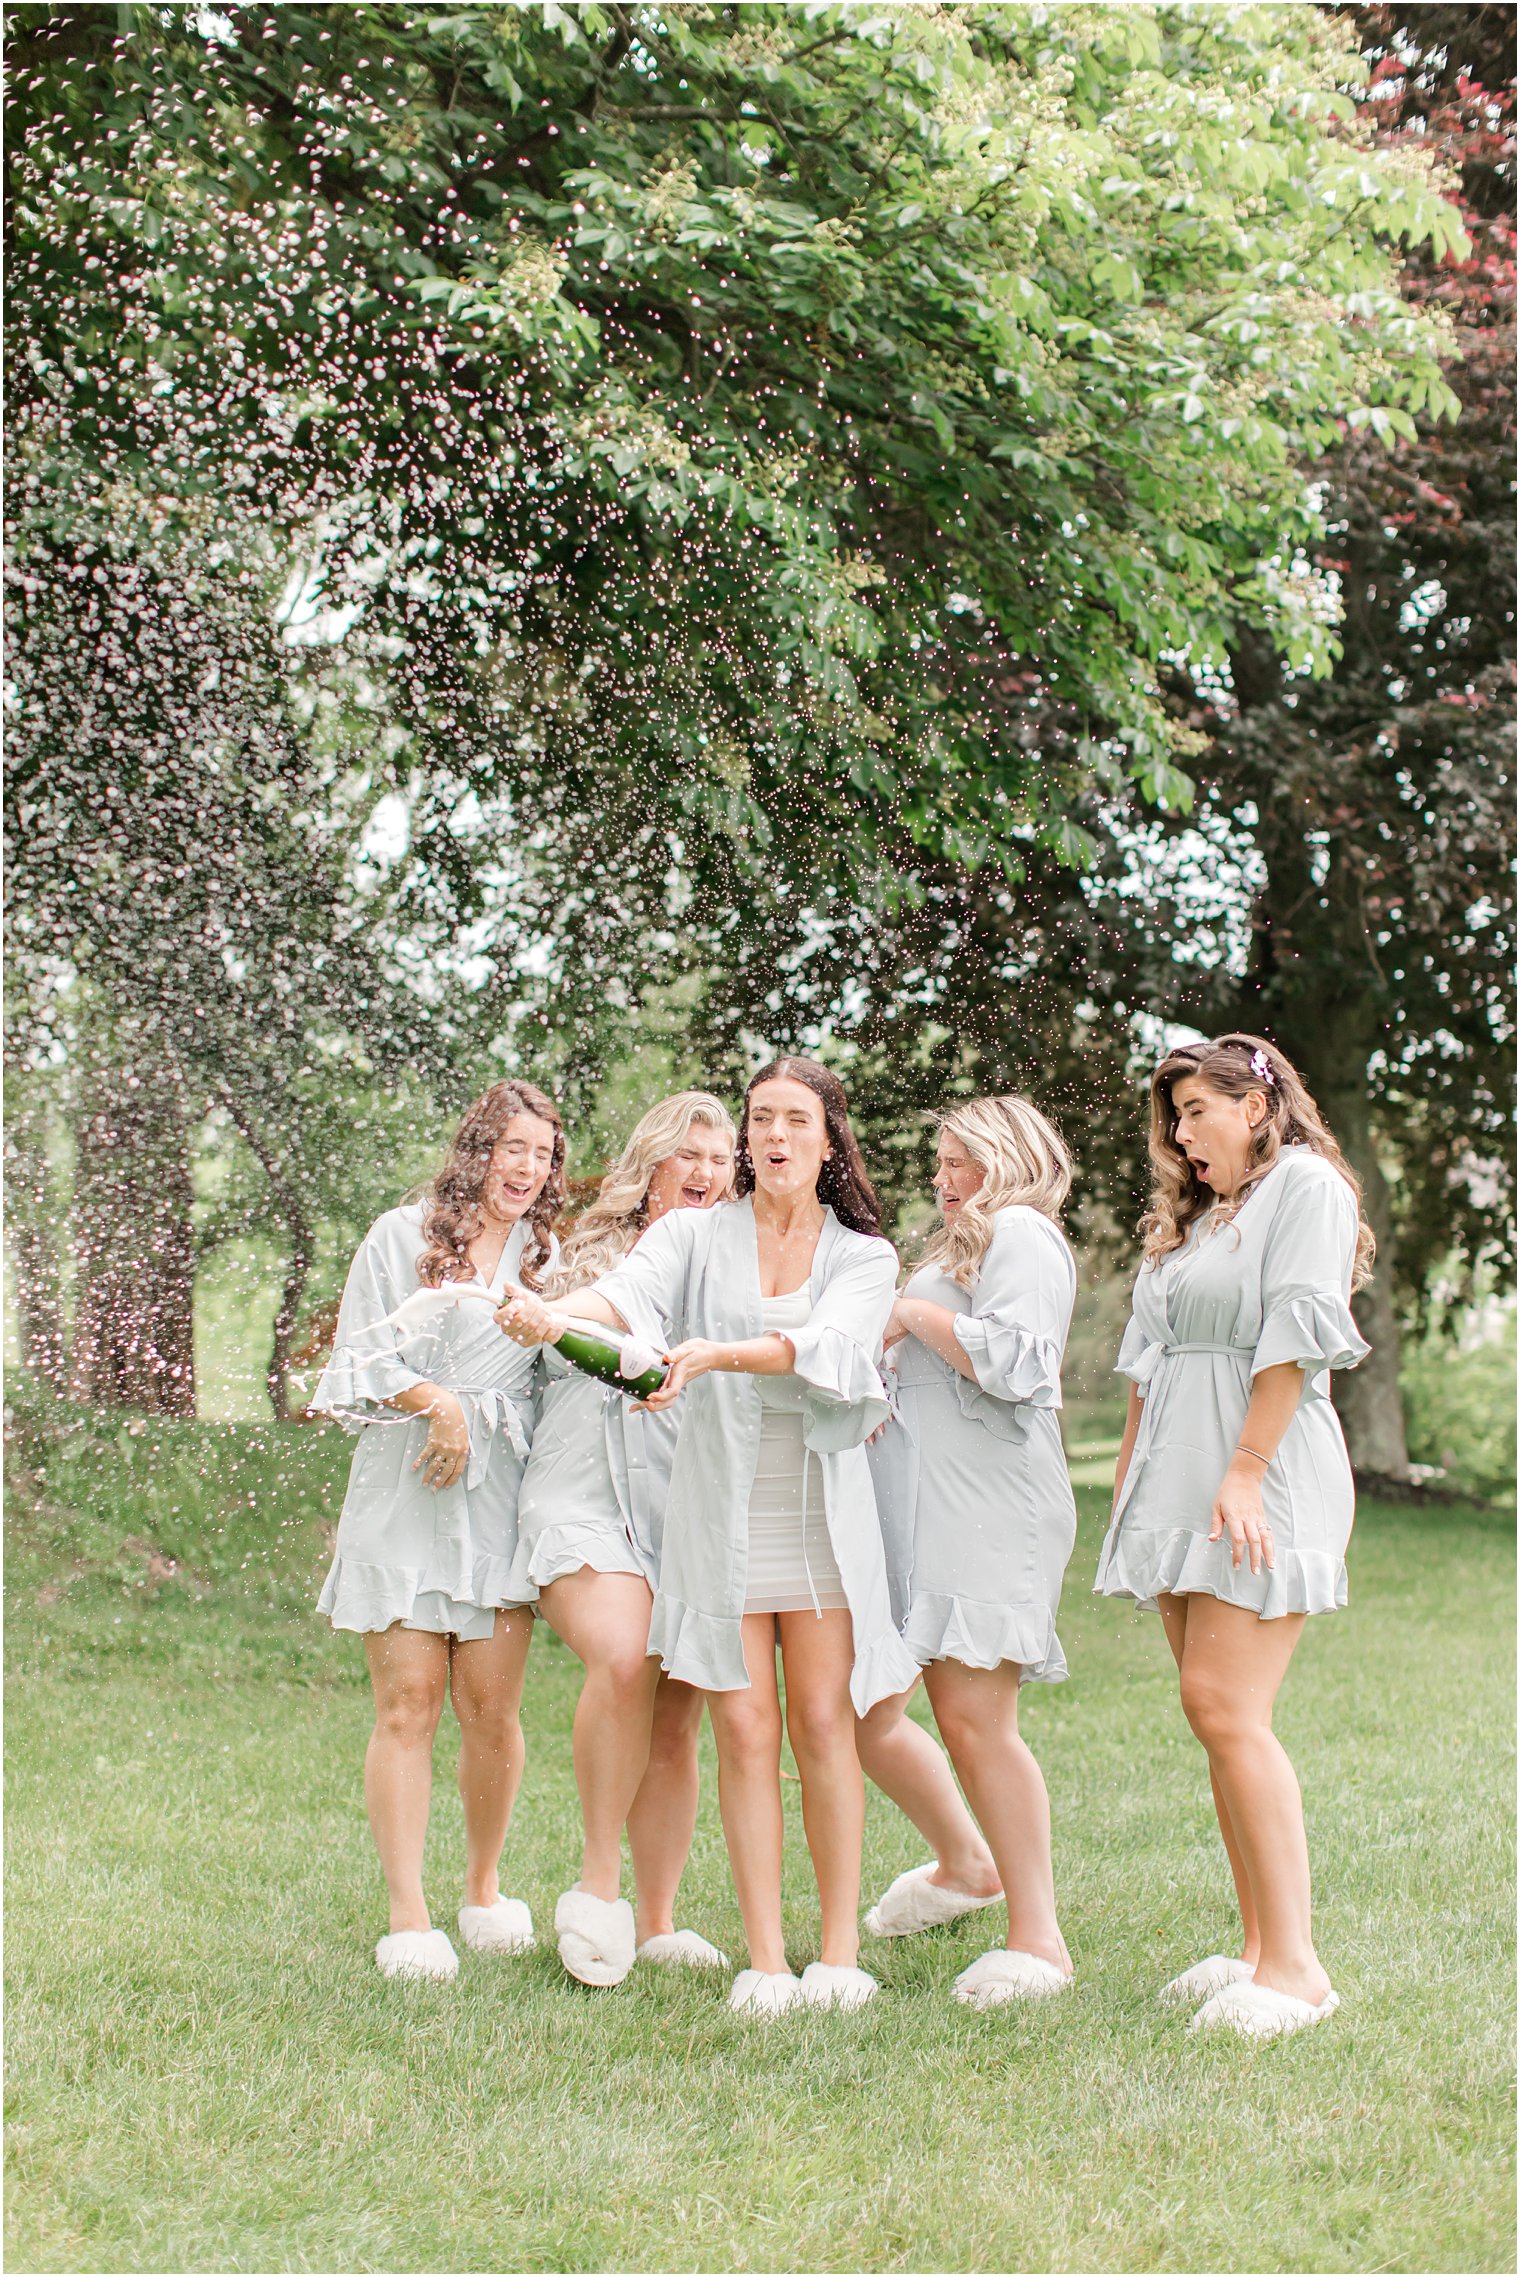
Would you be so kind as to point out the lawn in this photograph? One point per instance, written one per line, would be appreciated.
(207, 2073)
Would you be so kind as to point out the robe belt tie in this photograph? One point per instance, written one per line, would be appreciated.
(1153, 1354)
(488, 1413)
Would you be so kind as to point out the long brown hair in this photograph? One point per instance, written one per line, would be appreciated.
(1235, 1065)
(451, 1204)
(842, 1181)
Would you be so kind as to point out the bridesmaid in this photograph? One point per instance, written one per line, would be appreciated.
(1233, 1501)
(973, 1474)
(775, 1307)
(589, 1526)
(443, 1409)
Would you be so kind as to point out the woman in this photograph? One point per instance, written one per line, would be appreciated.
(1233, 1500)
(973, 1474)
(442, 1405)
(776, 1306)
(589, 1526)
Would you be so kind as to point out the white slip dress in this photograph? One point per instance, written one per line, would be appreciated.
(792, 1567)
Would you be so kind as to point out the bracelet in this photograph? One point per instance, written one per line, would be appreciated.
(1240, 1449)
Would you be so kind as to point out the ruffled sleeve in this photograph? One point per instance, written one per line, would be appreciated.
(1138, 1354)
(1015, 1333)
(835, 1347)
(648, 1288)
(1306, 1277)
(367, 1368)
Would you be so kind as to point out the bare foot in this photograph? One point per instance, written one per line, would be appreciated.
(974, 1877)
(1306, 1981)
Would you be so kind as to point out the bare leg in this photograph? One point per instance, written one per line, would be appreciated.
(899, 1757)
(817, 1652)
(977, 1710)
(1233, 1664)
(1174, 1620)
(486, 1685)
(747, 1729)
(409, 1670)
(664, 1814)
(604, 1619)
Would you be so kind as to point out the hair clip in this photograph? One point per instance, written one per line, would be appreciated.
(1262, 1066)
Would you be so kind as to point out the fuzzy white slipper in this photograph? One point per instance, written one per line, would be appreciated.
(824, 1986)
(755, 1993)
(1000, 1976)
(683, 1949)
(416, 1953)
(914, 1902)
(1260, 2013)
(595, 1936)
(505, 1927)
(1206, 1977)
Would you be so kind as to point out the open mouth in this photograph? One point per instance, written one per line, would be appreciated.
(1200, 1165)
(694, 1196)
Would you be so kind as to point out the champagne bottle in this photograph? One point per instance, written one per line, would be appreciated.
(621, 1361)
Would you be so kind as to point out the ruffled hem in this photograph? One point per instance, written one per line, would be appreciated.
(707, 1650)
(1313, 1327)
(979, 1635)
(559, 1550)
(698, 1648)
(1183, 1563)
(884, 1668)
(369, 1598)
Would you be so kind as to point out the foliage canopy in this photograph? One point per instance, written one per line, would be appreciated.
(732, 401)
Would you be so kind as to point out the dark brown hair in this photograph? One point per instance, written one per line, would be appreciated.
(451, 1205)
(842, 1180)
(1236, 1065)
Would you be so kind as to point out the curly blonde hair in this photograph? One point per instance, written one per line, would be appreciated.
(1025, 1160)
(451, 1203)
(612, 1223)
(1236, 1065)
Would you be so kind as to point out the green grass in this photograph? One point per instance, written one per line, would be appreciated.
(207, 2073)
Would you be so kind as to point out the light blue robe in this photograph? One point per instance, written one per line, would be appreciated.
(439, 1560)
(696, 1273)
(596, 1482)
(1271, 1285)
(971, 1477)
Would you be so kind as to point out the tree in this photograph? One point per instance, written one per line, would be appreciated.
(1375, 808)
(715, 438)
(724, 396)
(181, 924)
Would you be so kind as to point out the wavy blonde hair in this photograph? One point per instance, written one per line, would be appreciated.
(612, 1223)
(1025, 1160)
(1236, 1065)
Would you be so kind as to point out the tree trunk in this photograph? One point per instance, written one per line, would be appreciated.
(1367, 1399)
(31, 1227)
(298, 1265)
(134, 1339)
(39, 1303)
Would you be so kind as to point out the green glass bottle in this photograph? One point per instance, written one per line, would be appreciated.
(621, 1361)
